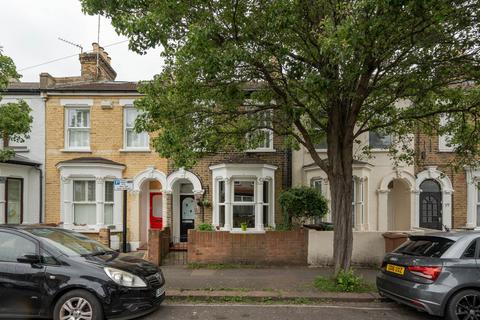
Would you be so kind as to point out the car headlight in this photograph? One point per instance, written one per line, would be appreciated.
(124, 278)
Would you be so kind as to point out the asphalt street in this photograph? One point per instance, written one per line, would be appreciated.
(285, 312)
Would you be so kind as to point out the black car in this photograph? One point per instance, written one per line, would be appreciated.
(53, 272)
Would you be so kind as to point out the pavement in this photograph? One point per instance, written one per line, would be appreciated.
(262, 284)
(364, 311)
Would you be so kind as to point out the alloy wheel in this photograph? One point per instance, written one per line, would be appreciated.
(76, 309)
(468, 308)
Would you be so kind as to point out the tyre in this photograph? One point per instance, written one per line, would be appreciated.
(78, 305)
(464, 305)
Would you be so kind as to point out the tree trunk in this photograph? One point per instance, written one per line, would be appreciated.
(6, 141)
(340, 175)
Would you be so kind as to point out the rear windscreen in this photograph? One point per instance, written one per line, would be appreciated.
(425, 247)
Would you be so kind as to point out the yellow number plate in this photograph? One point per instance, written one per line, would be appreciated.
(396, 269)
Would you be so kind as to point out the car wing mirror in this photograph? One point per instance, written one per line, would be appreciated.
(30, 258)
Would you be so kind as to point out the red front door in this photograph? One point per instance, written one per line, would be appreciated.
(156, 220)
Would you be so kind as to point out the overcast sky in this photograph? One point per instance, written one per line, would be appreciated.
(29, 31)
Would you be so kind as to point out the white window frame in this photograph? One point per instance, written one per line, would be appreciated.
(108, 203)
(269, 137)
(443, 140)
(219, 202)
(87, 201)
(125, 129)
(477, 203)
(68, 109)
(244, 203)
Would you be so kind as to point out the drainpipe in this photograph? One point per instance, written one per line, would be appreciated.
(287, 180)
(40, 178)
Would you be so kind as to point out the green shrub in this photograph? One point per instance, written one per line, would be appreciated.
(347, 281)
(205, 227)
(302, 203)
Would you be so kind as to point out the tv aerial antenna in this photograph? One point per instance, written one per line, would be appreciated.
(72, 44)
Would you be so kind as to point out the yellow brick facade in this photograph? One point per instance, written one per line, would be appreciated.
(106, 141)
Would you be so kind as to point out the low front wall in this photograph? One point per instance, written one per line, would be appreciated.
(269, 248)
(368, 248)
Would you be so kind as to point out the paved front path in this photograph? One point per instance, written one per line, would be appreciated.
(272, 278)
(286, 312)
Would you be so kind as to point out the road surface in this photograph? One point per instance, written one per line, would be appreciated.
(370, 311)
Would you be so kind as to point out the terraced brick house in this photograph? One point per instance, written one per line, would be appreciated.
(90, 142)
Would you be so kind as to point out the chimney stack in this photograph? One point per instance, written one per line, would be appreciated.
(94, 69)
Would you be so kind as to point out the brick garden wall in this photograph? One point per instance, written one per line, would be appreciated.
(270, 248)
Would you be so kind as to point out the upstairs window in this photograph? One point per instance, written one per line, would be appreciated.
(379, 140)
(263, 135)
(134, 140)
(78, 128)
(444, 141)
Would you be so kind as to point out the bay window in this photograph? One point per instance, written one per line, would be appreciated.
(78, 128)
(243, 194)
(133, 139)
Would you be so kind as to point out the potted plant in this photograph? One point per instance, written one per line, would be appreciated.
(244, 226)
(204, 203)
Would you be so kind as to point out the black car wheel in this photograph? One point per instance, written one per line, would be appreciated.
(78, 305)
(464, 305)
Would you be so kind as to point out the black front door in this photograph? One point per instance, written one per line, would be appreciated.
(430, 205)
(187, 216)
(21, 284)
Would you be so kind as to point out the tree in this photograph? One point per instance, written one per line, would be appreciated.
(317, 69)
(15, 119)
(302, 203)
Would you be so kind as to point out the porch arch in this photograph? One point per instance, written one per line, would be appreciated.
(182, 174)
(383, 196)
(149, 174)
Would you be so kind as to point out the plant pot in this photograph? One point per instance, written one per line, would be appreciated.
(244, 226)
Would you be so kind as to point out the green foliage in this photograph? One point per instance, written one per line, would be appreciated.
(308, 70)
(303, 203)
(8, 71)
(15, 119)
(15, 123)
(205, 227)
(346, 281)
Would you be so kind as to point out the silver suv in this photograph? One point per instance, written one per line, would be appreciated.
(438, 273)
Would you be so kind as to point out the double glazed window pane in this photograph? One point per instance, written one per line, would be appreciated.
(379, 141)
(108, 214)
(134, 139)
(14, 201)
(243, 214)
(85, 214)
(244, 191)
(83, 191)
(78, 128)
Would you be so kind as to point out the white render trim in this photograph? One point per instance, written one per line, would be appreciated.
(184, 174)
(149, 174)
(90, 93)
(89, 165)
(473, 179)
(126, 102)
(244, 165)
(432, 173)
(76, 102)
(135, 150)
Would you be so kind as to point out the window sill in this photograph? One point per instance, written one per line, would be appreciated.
(446, 150)
(93, 229)
(380, 150)
(127, 150)
(76, 150)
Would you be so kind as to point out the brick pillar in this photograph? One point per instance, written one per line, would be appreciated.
(154, 246)
(104, 236)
